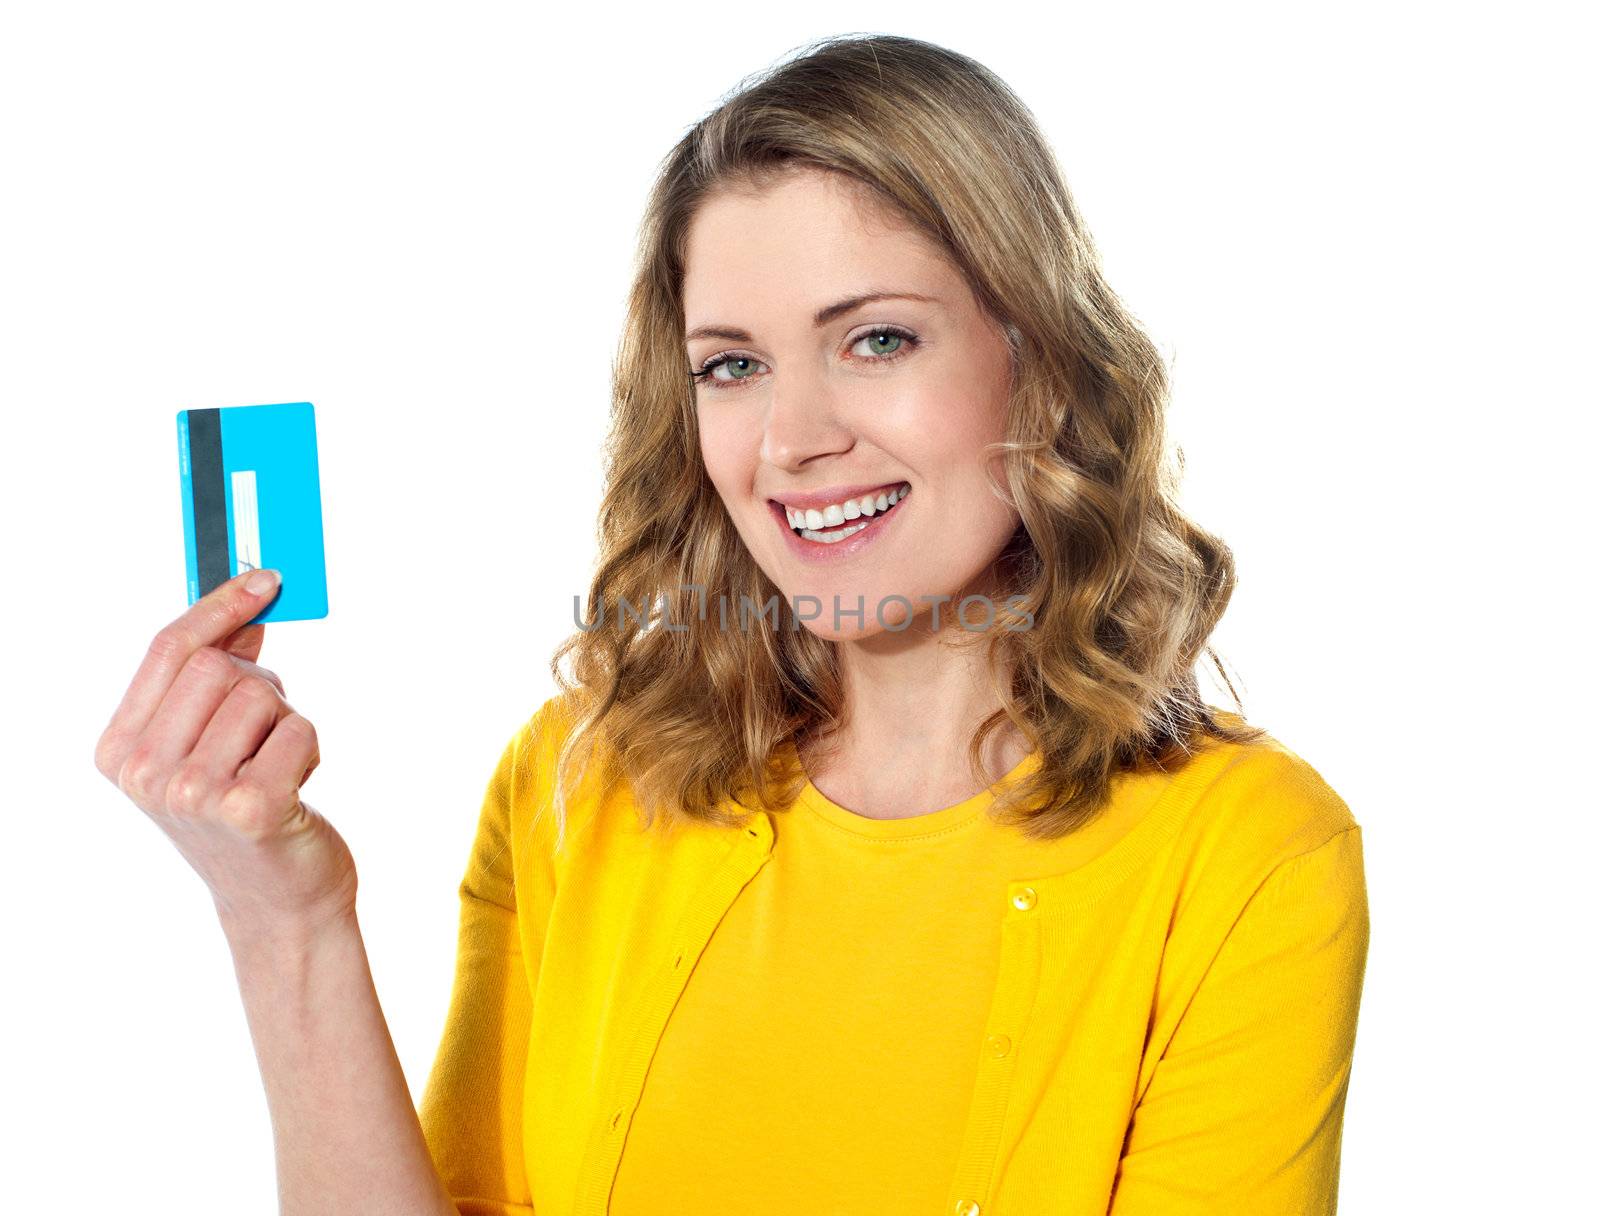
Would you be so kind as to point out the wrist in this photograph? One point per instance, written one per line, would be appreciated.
(292, 933)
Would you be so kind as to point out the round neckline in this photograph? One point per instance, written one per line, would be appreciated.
(913, 827)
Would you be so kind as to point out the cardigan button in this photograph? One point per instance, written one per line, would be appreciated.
(1025, 898)
(999, 1044)
(966, 1207)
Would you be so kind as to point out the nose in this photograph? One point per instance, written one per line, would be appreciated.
(803, 422)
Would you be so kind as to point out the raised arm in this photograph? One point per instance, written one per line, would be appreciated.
(345, 1131)
(205, 743)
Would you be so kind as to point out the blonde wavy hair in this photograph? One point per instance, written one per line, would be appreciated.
(1122, 589)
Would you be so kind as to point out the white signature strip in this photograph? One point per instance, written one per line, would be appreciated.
(246, 520)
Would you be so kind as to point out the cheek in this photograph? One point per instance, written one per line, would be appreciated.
(941, 430)
(977, 404)
(955, 400)
(946, 439)
(723, 449)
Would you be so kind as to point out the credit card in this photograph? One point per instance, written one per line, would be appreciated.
(252, 499)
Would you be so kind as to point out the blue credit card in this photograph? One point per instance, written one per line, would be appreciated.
(252, 499)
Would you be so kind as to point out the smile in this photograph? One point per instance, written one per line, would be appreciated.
(832, 523)
(839, 521)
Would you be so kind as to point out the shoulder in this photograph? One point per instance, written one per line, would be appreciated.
(547, 729)
(1265, 854)
(592, 794)
(529, 756)
(1259, 806)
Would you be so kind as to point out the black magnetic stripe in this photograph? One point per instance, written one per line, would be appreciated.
(209, 497)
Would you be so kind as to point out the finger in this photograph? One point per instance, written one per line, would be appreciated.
(215, 615)
(246, 641)
(195, 697)
(239, 727)
(283, 759)
(255, 669)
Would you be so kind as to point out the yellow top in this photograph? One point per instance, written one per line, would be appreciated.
(821, 1012)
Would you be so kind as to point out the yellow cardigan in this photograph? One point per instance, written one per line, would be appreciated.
(1160, 1012)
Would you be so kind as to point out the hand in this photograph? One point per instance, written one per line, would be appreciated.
(206, 745)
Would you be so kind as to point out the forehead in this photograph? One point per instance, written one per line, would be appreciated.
(806, 237)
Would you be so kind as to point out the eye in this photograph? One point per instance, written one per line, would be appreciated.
(901, 342)
(739, 364)
(892, 335)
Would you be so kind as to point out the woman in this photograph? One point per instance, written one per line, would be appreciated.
(899, 866)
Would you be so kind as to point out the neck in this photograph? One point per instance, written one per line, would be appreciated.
(913, 700)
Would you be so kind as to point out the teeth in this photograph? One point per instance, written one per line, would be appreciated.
(810, 519)
(831, 538)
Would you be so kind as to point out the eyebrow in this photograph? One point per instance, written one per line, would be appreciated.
(823, 315)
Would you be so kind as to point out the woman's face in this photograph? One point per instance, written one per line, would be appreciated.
(820, 404)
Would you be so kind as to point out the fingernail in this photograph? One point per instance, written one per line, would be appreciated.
(262, 581)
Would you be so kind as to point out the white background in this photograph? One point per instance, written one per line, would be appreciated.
(1363, 235)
